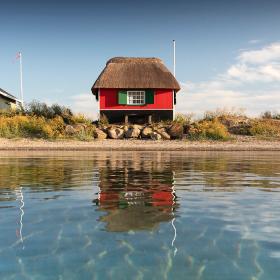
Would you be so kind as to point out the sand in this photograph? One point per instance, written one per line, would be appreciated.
(238, 144)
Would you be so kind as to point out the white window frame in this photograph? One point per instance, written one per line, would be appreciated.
(129, 92)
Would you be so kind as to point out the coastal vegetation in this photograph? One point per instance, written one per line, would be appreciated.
(38, 120)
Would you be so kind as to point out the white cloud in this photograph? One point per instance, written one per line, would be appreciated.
(204, 99)
(252, 83)
(264, 55)
(254, 41)
(84, 103)
(261, 65)
(261, 73)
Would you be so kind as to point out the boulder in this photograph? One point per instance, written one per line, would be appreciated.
(115, 133)
(132, 132)
(138, 126)
(70, 130)
(75, 129)
(79, 127)
(155, 136)
(146, 132)
(176, 131)
(162, 132)
(125, 128)
(99, 134)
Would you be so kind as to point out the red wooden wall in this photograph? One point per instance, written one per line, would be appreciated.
(163, 99)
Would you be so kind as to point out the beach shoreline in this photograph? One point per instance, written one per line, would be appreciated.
(238, 144)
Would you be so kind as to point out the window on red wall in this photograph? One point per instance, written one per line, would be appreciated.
(135, 97)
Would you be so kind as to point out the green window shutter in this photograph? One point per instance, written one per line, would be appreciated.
(122, 97)
(149, 96)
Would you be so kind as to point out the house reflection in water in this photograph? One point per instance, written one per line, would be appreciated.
(135, 197)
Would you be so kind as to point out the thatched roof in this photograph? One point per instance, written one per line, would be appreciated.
(135, 73)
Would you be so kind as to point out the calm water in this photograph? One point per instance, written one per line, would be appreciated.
(140, 216)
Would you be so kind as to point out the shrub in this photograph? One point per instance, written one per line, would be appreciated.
(270, 115)
(265, 127)
(39, 109)
(35, 127)
(86, 134)
(23, 126)
(235, 121)
(183, 119)
(38, 120)
(208, 129)
(80, 118)
(57, 125)
(31, 127)
(103, 120)
(224, 114)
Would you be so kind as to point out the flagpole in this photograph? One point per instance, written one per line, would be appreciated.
(174, 58)
(21, 84)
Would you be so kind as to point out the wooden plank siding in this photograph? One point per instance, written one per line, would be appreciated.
(162, 99)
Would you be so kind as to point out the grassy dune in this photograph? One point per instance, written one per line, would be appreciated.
(41, 121)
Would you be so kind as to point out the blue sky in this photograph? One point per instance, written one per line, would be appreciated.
(65, 45)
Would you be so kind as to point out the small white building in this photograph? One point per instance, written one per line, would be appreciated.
(8, 101)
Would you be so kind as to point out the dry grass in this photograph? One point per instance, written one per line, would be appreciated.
(38, 120)
(31, 127)
(208, 129)
(265, 127)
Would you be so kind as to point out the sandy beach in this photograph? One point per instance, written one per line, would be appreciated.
(238, 144)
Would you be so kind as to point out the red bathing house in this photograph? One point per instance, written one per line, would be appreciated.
(136, 90)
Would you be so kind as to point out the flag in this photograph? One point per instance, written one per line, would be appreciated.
(18, 55)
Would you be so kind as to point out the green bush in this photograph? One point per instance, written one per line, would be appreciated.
(40, 109)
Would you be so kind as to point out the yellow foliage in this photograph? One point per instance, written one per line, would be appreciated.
(265, 127)
(183, 119)
(80, 118)
(208, 129)
(30, 126)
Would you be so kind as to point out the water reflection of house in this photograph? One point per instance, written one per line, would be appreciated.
(135, 199)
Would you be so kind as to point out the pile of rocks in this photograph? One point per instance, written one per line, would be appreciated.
(154, 132)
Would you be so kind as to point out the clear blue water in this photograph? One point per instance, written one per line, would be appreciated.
(152, 215)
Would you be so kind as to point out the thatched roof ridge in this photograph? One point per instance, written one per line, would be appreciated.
(135, 72)
(121, 59)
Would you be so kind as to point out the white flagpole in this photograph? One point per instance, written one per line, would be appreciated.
(174, 58)
(20, 70)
